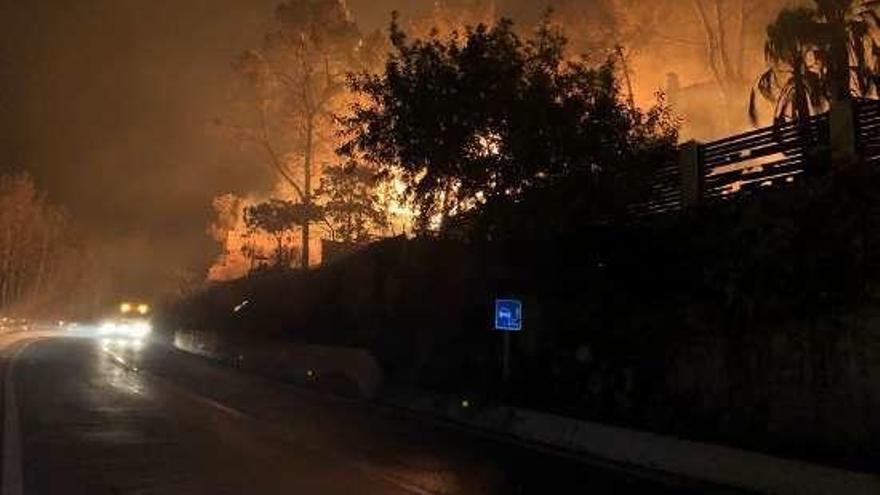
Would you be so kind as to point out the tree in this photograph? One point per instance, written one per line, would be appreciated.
(793, 80)
(41, 257)
(298, 78)
(351, 202)
(721, 33)
(278, 218)
(726, 44)
(609, 28)
(485, 119)
(818, 55)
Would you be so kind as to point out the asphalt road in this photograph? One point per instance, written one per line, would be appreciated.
(102, 419)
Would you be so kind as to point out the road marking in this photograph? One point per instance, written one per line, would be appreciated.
(12, 473)
(210, 402)
(177, 389)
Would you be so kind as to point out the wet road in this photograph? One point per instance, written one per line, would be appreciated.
(99, 418)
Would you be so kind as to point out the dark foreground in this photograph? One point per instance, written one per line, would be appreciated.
(98, 419)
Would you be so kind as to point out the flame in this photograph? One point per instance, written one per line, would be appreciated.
(231, 233)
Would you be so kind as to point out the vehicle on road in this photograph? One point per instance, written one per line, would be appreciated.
(131, 321)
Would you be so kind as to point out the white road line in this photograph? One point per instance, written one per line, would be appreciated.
(177, 389)
(12, 473)
(207, 401)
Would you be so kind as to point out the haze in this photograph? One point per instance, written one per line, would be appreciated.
(109, 104)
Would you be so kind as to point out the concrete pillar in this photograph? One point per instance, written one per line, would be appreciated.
(690, 165)
(842, 133)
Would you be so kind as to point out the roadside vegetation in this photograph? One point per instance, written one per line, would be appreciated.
(751, 322)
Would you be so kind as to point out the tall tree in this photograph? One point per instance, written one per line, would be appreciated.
(718, 37)
(793, 79)
(820, 54)
(38, 248)
(298, 75)
(849, 51)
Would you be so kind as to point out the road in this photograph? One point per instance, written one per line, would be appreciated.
(92, 418)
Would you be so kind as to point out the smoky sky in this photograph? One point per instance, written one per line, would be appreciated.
(109, 105)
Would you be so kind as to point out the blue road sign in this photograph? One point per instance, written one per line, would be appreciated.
(508, 315)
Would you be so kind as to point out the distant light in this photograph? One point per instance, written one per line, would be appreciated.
(125, 308)
(310, 373)
(143, 308)
(240, 306)
(465, 403)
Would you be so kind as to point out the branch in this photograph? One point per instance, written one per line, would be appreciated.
(722, 38)
(273, 156)
(711, 41)
(673, 39)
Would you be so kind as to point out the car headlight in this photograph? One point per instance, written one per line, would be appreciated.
(140, 329)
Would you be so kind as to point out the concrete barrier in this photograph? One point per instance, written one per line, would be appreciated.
(340, 370)
(312, 365)
(704, 462)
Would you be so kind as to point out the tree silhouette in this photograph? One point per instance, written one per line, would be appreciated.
(298, 78)
(42, 259)
(351, 202)
(485, 119)
(279, 218)
(817, 55)
(793, 80)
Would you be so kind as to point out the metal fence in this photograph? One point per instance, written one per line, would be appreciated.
(664, 193)
(769, 157)
(867, 127)
(761, 160)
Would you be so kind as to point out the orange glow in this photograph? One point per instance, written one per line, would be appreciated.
(231, 233)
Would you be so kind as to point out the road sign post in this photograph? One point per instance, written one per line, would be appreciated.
(508, 319)
(505, 358)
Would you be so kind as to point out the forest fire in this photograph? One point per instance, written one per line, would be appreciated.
(698, 57)
(651, 225)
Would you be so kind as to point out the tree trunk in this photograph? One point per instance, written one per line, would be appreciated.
(307, 191)
(840, 88)
(631, 98)
(7, 263)
(41, 267)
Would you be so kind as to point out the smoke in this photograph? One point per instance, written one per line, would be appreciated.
(109, 104)
(114, 101)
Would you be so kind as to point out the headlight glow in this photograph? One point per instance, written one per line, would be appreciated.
(140, 329)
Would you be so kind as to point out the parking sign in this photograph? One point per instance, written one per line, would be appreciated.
(508, 315)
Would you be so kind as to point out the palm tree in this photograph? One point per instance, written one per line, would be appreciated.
(819, 55)
(793, 80)
(849, 50)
